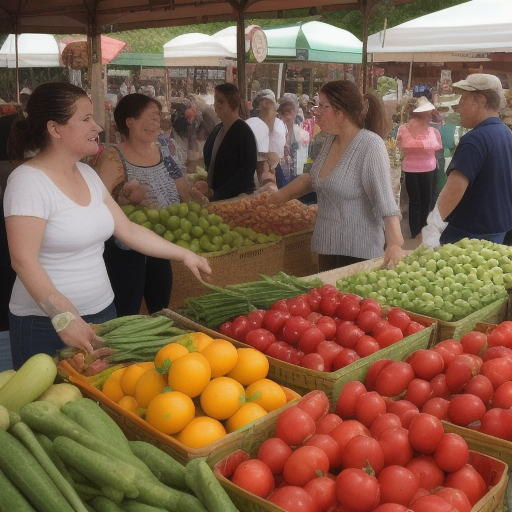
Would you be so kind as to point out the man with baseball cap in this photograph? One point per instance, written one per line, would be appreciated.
(476, 201)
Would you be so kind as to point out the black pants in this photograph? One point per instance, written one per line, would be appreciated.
(421, 188)
(331, 261)
(134, 276)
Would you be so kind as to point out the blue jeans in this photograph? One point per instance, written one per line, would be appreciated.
(30, 335)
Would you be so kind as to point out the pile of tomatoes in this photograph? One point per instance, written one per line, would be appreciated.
(361, 458)
(466, 382)
(322, 330)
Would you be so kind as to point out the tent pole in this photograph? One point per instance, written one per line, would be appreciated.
(410, 73)
(17, 72)
(240, 51)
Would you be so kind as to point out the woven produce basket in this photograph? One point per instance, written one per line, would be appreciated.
(137, 429)
(303, 380)
(297, 258)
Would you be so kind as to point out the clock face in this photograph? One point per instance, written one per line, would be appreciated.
(259, 45)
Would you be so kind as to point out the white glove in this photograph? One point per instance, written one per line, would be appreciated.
(431, 233)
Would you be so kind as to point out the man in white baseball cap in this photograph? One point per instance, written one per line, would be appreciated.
(476, 201)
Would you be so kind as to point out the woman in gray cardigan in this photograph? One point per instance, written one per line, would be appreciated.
(358, 217)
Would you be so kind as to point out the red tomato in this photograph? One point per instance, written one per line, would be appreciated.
(328, 326)
(294, 426)
(293, 328)
(373, 371)
(449, 350)
(314, 317)
(426, 363)
(367, 320)
(399, 318)
(366, 346)
(371, 304)
(362, 451)
(391, 507)
(240, 327)
(394, 378)
(274, 320)
(254, 476)
(404, 409)
(313, 297)
(497, 422)
(283, 351)
(388, 336)
(346, 403)
(255, 318)
(436, 406)
(502, 397)
(418, 392)
(384, 422)
(260, 339)
(329, 304)
(313, 361)
(227, 329)
(425, 433)
(327, 423)
(347, 334)
(396, 447)
(299, 306)
(348, 308)
(468, 480)
(329, 446)
(499, 338)
(459, 372)
(474, 342)
(328, 289)
(280, 305)
(368, 406)
(465, 409)
(439, 387)
(455, 497)
(429, 473)
(345, 357)
(431, 503)
(493, 352)
(497, 370)
(397, 485)
(481, 387)
(315, 403)
(451, 453)
(323, 492)
(304, 464)
(413, 328)
(310, 339)
(357, 491)
(328, 350)
(292, 499)
(347, 430)
(274, 452)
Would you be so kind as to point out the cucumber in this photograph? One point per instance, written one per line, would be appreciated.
(137, 506)
(10, 498)
(168, 470)
(103, 504)
(23, 470)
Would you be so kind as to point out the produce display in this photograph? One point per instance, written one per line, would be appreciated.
(256, 214)
(322, 330)
(193, 227)
(198, 389)
(448, 283)
(360, 458)
(73, 457)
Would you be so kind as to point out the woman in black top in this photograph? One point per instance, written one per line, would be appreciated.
(230, 151)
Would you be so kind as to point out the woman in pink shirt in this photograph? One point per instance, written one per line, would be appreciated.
(419, 143)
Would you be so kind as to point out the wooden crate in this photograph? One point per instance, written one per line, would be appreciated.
(137, 429)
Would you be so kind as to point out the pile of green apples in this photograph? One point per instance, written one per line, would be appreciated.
(191, 226)
(447, 283)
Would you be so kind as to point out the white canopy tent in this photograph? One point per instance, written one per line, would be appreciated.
(34, 51)
(465, 32)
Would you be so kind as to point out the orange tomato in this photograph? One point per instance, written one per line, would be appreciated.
(201, 340)
(246, 414)
(222, 356)
(201, 431)
(266, 393)
(166, 355)
(170, 411)
(130, 404)
(150, 384)
(131, 375)
(189, 374)
(252, 365)
(222, 397)
(112, 386)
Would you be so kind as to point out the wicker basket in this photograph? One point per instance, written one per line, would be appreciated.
(137, 429)
(303, 380)
(297, 258)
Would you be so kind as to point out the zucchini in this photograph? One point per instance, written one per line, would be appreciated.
(200, 478)
(4, 418)
(23, 470)
(103, 470)
(137, 506)
(34, 377)
(11, 500)
(86, 492)
(25, 435)
(103, 504)
(47, 446)
(60, 394)
(168, 470)
(5, 376)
